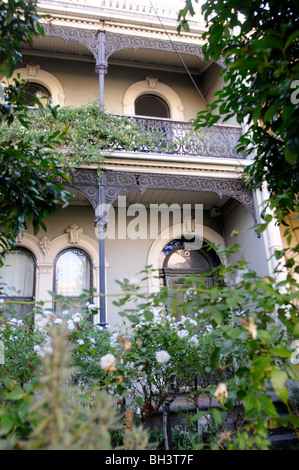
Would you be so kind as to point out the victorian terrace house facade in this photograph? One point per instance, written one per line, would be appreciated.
(129, 57)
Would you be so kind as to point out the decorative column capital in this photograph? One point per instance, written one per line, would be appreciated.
(101, 67)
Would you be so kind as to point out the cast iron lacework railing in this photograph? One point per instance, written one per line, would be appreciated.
(179, 138)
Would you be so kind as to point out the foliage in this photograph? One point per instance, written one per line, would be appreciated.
(19, 340)
(91, 133)
(237, 341)
(19, 23)
(30, 189)
(259, 44)
(30, 182)
(182, 438)
(52, 414)
(257, 345)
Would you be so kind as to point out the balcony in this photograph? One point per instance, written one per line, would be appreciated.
(179, 138)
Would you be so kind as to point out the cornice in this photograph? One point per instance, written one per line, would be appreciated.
(125, 29)
(128, 12)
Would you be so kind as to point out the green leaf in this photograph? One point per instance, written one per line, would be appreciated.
(291, 157)
(227, 347)
(268, 406)
(217, 316)
(6, 423)
(15, 395)
(272, 111)
(293, 37)
(266, 43)
(293, 371)
(138, 400)
(294, 420)
(217, 416)
(251, 403)
(259, 368)
(235, 300)
(148, 315)
(280, 351)
(278, 379)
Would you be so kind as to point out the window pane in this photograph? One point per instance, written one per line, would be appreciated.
(151, 105)
(17, 275)
(72, 273)
(35, 90)
(186, 259)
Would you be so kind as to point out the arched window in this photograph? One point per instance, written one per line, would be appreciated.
(72, 276)
(151, 105)
(176, 262)
(17, 280)
(35, 90)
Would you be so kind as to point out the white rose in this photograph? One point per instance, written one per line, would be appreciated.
(77, 317)
(91, 306)
(70, 325)
(107, 361)
(183, 334)
(162, 356)
(194, 341)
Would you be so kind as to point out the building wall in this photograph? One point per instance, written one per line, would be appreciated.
(78, 79)
(125, 257)
(80, 83)
(252, 248)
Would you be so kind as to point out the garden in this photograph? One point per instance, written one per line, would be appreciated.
(67, 383)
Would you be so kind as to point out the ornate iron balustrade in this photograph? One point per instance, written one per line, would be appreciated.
(179, 138)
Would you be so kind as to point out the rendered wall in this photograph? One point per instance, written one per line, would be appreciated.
(252, 248)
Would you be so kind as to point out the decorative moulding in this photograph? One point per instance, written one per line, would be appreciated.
(34, 73)
(74, 231)
(45, 244)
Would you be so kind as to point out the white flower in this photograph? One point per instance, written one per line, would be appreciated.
(65, 312)
(70, 325)
(107, 361)
(77, 317)
(162, 356)
(80, 341)
(91, 306)
(183, 334)
(58, 321)
(194, 341)
(92, 340)
(47, 311)
(114, 339)
(41, 321)
(42, 351)
(221, 393)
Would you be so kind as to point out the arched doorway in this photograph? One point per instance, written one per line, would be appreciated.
(176, 263)
(36, 90)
